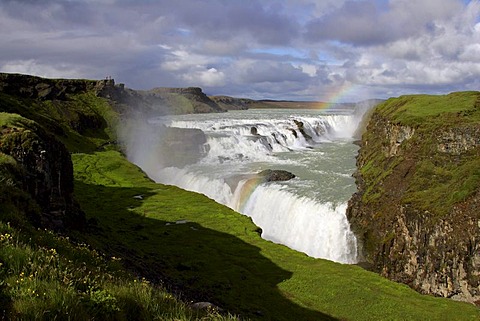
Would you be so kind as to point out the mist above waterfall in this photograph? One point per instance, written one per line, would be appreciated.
(220, 155)
(153, 146)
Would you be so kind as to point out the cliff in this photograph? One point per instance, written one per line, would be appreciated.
(35, 166)
(190, 100)
(37, 174)
(157, 101)
(232, 103)
(417, 209)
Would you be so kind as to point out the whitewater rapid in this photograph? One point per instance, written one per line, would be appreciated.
(307, 213)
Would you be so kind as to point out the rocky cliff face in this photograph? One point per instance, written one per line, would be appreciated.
(231, 103)
(26, 86)
(157, 101)
(46, 173)
(417, 209)
(198, 100)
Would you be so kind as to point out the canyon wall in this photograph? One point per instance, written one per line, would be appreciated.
(417, 209)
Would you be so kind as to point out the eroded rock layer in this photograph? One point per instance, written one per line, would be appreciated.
(417, 209)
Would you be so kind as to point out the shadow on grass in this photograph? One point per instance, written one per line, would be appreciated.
(198, 263)
(5, 303)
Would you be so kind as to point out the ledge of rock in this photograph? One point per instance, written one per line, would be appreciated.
(273, 175)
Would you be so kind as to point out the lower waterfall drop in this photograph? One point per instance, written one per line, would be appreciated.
(306, 213)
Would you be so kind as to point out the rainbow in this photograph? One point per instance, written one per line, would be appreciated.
(335, 96)
(246, 190)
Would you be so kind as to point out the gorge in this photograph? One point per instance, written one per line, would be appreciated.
(414, 215)
(306, 213)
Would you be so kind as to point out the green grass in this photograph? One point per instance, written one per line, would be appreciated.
(219, 256)
(433, 110)
(83, 123)
(9, 120)
(45, 277)
(437, 188)
(438, 180)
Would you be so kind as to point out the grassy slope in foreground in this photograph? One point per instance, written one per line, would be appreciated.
(44, 276)
(218, 254)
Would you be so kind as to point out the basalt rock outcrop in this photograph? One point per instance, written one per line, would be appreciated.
(301, 129)
(196, 98)
(26, 86)
(157, 101)
(417, 210)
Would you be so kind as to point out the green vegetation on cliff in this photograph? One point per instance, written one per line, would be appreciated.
(433, 112)
(438, 181)
(416, 212)
(148, 246)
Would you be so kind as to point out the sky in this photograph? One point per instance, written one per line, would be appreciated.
(324, 50)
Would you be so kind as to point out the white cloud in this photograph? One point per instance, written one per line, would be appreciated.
(444, 55)
(471, 53)
(206, 78)
(32, 67)
(264, 48)
(309, 69)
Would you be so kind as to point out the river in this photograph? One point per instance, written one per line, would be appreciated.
(306, 213)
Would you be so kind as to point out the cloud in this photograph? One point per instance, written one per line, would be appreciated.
(32, 67)
(252, 71)
(209, 77)
(357, 23)
(280, 49)
(366, 23)
(437, 54)
(226, 20)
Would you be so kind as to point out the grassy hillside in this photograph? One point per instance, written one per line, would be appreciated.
(44, 276)
(150, 249)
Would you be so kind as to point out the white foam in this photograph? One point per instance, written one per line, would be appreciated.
(319, 230)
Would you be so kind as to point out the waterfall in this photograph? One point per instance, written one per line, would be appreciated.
(307, 213)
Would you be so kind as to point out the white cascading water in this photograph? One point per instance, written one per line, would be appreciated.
(307, 213)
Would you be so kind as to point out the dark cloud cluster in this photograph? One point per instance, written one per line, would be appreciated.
(366, 23)
(283, 49)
